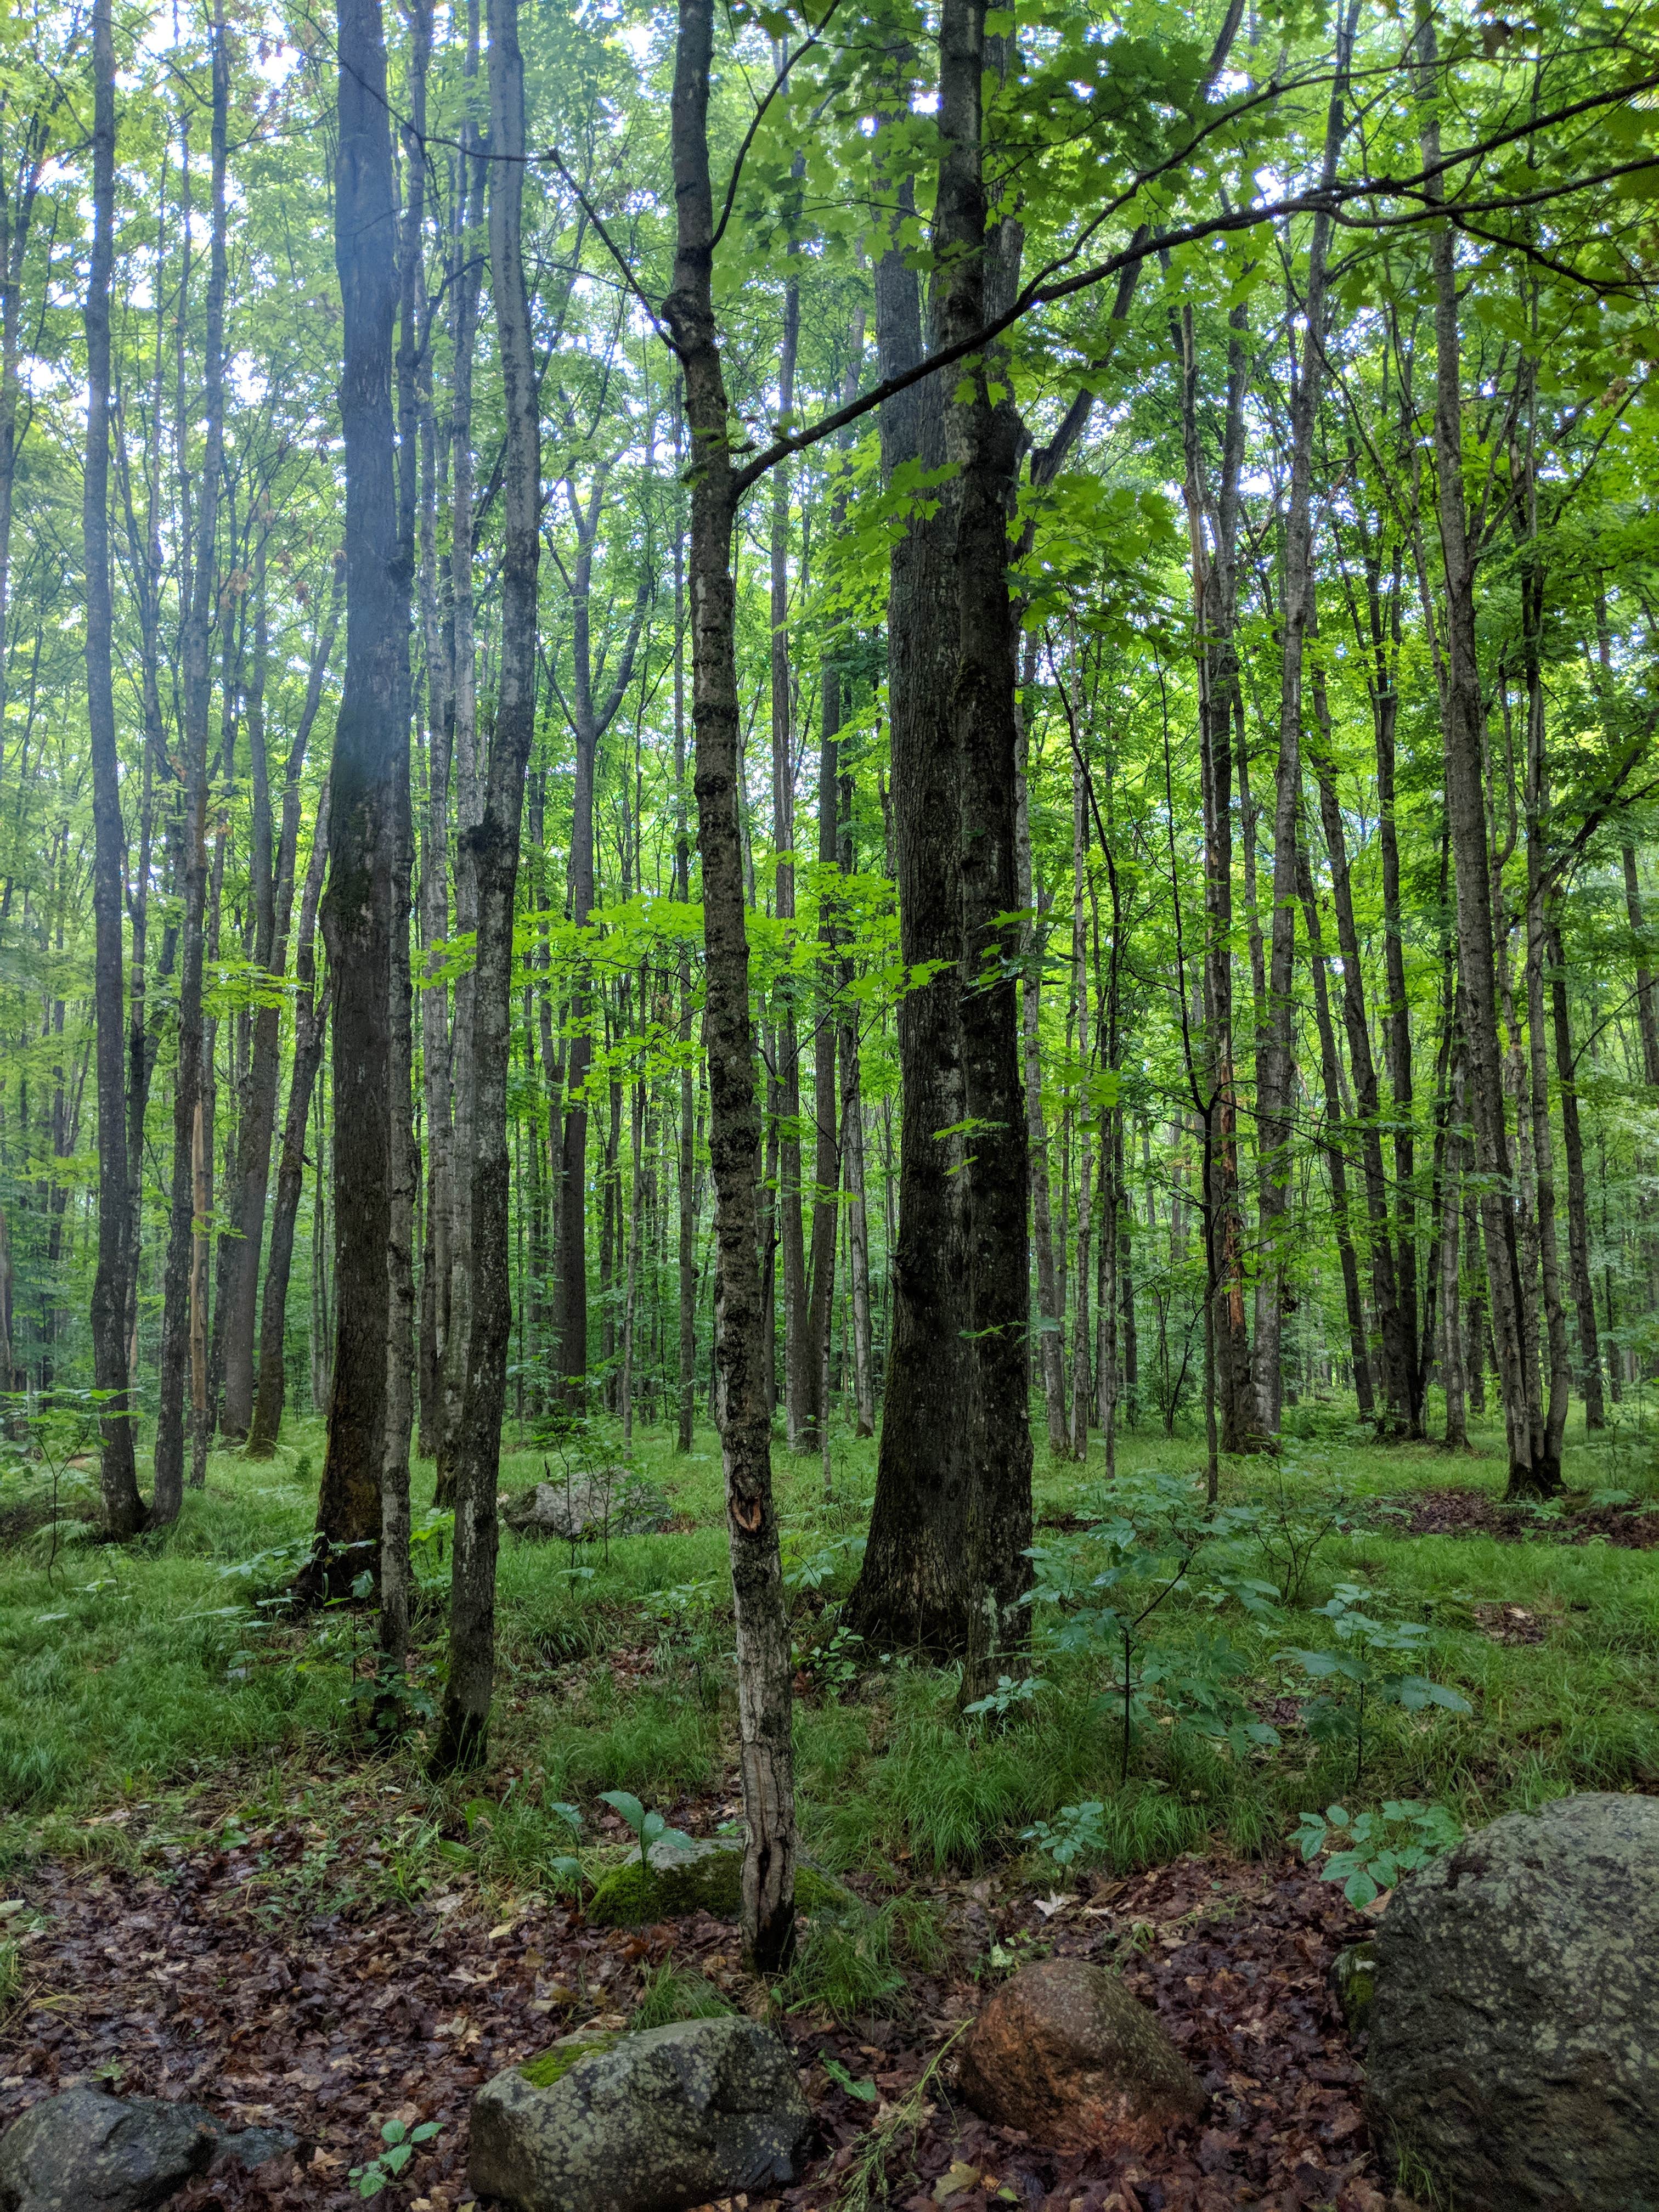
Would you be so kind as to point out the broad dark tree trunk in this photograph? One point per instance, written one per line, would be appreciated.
(742, 1353)
(121, 1506)
(912, 1592)
(370, 735)
(464, 1726)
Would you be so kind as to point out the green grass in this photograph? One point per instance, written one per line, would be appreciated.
(145, 1675)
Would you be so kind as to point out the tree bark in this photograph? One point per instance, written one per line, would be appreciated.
(912, 1590)
(123, 1508)
(742, 1353)
(370, 733)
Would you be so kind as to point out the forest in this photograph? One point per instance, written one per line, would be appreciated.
(828, 1067)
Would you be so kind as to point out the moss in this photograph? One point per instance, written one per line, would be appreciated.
(556, 2062)
(632, 1896)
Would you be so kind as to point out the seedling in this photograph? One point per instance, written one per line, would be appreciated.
(1365, 1667)
(400, 2145)
(649, 1827)
(1404, 1835)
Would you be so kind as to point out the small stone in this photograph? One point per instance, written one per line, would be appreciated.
(1064, 2052)
(85, 2151)
(656, 2122)
(1514, 2052)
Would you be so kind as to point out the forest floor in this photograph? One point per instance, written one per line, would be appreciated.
(213, 1883)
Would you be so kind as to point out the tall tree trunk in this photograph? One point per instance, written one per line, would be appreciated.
(742, 1353)
(1396, 1378)
(800, 1357)
(1080, 1346)
(687, 1180)
(123, 1508)
(1572, 1144)
(1452, 1374)
(912, 1591)
(1050, 1346)
(310, 1021)
(827, 1162)
(371, 734)
(1463, 723)
(1275, 1073)
(1227, 1355)
(1647, 997)
(464, 1724)
(274, 894)
(1331, 1068)
(982, 438)
(454, 1295)
(179, 1303)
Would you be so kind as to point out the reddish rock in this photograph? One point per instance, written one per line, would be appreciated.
(1064, 2052)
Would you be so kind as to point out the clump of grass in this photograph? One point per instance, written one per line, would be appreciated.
(672, 1993)
(845, 1965)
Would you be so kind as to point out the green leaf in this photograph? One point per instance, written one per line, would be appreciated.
(393, 2131)
(629, 1806)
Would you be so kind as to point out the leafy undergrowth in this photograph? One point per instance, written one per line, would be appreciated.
(202, 1972)
(223, 1889)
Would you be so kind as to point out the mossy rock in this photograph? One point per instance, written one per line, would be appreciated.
(706, 1878)
(556, 2061)
(1353, 1984)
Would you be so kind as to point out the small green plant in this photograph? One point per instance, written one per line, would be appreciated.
(387, 2165)
(649, 1827)
(865, 2090)
(1370, 1668)
(1382, 1846)
(1074, 1830)
(1009, 1692)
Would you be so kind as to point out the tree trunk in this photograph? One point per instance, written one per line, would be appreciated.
(742, 1353)
(1227, 1353)
(1331, 1069)
(1647, 999)
(1275, 1071)
(274, 891)
(180, 1303)
(371, 733)
(464, 1725)
(982, 438)
(310, 1031)
(1050, 1342)
(687, 1256)
(1462, 734)
(123, 1508)
(1572, 1144)
(800, 1357)
(912, 1590)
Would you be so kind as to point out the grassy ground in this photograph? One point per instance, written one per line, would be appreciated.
(147, 1692)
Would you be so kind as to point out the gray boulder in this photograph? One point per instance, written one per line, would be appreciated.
(615, 1499)
(1514, 2032)
(86, 2151)
(655, 2122)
